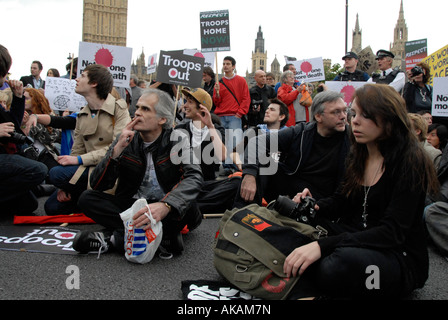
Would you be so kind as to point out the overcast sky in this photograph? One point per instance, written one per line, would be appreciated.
(48, 30)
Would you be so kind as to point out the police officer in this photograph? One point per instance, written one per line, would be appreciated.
(351, 73)
(393, 77)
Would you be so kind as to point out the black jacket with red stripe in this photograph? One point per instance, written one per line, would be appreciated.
(180, 180)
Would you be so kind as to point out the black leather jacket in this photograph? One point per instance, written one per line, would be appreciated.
(181, 182)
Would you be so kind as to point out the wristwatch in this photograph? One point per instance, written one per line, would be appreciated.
(168, 206)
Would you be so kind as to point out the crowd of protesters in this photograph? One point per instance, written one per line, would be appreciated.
(118, 148)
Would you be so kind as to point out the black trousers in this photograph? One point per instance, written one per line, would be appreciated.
(354, 273)
(105, 210)
(269, 187)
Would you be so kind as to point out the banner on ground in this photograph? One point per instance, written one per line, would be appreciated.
(309, 70)
(347, 88)
(215, 31)
(152, 63)
(58, 240)
(416, 51)
(61, 94)
(178, 68)
(438, 63)
(440, 97)
(117, 59)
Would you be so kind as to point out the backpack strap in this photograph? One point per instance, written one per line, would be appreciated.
(222, 81)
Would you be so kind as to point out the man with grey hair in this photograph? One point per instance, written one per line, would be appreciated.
(393, 77)
(312, 155)
(140, 164)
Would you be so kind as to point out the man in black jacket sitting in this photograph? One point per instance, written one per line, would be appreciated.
(145, 161)
(312, 155)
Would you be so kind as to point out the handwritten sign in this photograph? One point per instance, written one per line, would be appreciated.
(367, 61)
(438, 63)
(61, 94)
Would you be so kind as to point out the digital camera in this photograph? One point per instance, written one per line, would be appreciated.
(301, 212)
(417, 70)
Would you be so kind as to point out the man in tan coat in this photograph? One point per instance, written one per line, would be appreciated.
(97, 126)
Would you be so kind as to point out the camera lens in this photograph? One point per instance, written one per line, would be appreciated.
(285, 206)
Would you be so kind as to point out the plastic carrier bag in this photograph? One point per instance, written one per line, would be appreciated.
(140, 246)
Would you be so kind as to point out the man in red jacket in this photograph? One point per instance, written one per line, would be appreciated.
(232, 99)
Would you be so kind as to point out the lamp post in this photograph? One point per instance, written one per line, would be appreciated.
(346, 25)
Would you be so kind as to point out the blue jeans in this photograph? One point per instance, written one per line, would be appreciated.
(18, 175)
(234, 135)
(60, 176)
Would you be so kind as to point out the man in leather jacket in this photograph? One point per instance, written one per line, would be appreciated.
(145, 161)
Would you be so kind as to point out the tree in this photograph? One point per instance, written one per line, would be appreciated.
(332, 72)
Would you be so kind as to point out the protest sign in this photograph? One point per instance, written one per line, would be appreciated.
(152, 63)
(438, 63)
(289, 59)
(58, 240)
(347, 88)
(116, 59)
(367, 61)
(309, 70)
(61, 94)
(208, 56)
(416, 51)
(215, 31)
(177, 68)
(440, 98)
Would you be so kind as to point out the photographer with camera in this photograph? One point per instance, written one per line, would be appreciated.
(374, 219)
(417, 92)
(18, 175)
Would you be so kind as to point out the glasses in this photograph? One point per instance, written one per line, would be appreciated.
(338, 112)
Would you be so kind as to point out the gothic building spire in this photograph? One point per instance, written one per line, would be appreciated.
(259, 56)
(400, 36)
(357, 37)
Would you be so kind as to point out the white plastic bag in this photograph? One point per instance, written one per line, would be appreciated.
(140, 246)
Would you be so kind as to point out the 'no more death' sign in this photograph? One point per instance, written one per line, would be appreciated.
(177, 68)
(116, 59)
(215, 31)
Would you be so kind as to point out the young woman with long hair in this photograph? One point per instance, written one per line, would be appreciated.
(376, 245)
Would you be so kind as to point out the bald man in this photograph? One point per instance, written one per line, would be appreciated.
(260, 94)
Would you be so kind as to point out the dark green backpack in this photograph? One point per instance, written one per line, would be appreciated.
(252, 245)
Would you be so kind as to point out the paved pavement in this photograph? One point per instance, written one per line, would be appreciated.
(41, 276)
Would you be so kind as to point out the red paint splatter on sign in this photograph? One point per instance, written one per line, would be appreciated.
(348, 92)
(104, 57)
(306, 67)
